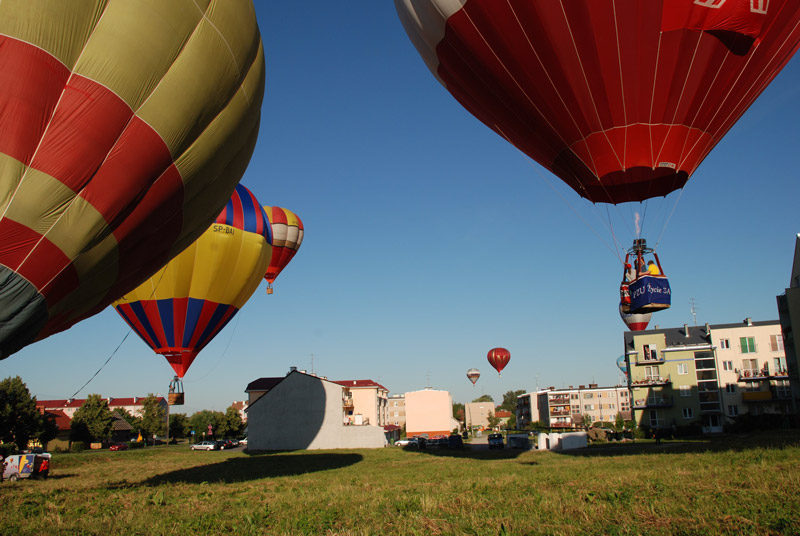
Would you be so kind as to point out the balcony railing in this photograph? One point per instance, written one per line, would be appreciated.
(651, 380)
(753, 375)
(649, 361)
(559, 400)
(559, 412)
(653, 402)
(347, 401)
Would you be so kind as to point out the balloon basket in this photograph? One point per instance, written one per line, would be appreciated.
(269, 290)
(175, 399)
(175, 396)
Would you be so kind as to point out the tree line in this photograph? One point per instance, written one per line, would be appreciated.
(21, 422)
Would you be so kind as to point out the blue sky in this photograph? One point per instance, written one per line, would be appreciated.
(430, 240)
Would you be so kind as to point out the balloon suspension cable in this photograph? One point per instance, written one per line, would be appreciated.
(130, 330)
(668, 218)
(235, 323)
(572, 208)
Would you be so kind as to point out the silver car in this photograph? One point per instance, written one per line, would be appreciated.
(205, 445)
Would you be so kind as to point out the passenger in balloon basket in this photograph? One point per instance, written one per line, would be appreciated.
(652, 269)
(624, 292)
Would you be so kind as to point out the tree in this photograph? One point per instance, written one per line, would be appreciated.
(92, 421)
(484, 398)
(619, 423)
(200, 421)
(153, 417)
(231, 425)
(49, 429)
(20, 420)
(511, 423)
(510, 400)
(458, 411)
(178, 425)
(493, 420)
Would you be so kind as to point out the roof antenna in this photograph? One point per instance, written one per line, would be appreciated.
(693, 309)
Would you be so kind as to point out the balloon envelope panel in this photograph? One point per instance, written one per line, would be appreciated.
(125, 127)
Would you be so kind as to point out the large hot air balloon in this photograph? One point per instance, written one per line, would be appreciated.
(498, 358)
(473, 374)
(124, 128)
(621, 99)
(186, 303)
(287, 235)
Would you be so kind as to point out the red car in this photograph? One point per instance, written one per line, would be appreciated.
(118, 446)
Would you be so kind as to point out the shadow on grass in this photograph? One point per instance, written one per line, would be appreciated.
(720, 443)
(479, 452)
(242, 469)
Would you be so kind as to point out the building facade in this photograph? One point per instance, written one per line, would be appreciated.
(577, 407)
(707, 376)
(397, 410)
(369, 401)
(476, 414)
(789, 314)
(430, 412)
(305, 411)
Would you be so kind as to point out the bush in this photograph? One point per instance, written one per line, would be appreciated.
(136, 445)
(7, 449)
(77, 446)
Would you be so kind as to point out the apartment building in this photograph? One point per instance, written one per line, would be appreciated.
(476, 414)
(133, 405)
(753, 373)
(707, 375)
(369, 401)
(527, 410)
(397, 410)
(574, 407)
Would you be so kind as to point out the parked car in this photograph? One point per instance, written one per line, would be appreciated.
(243, 441)
(227, 444)
(206, 445)
(496, 441)
(455, 441)
(407, 442)
(118, 446)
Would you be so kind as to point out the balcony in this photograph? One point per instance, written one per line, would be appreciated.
(559, 400)
(650, 381)
(561, 425)
(559, 412)
(653, 402)
(649, 361)
(757, 396)
(347, 401)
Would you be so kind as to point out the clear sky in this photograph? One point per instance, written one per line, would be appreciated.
(430, 240)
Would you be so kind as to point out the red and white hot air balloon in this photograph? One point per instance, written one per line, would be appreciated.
(635, 322)
(473, 374)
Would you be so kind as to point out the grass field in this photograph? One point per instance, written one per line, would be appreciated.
(734, 485)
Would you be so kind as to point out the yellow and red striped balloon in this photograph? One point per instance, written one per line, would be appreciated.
(287, 235)
(124, 128)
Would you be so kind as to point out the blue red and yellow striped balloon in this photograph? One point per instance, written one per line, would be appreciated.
(183, 306)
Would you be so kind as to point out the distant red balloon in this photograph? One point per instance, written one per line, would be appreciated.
(498, 358)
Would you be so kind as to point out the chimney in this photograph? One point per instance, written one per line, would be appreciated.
(580, 387)
(592, 386)
(135, 398)
(552, 388)
(686, 330)
(655, 327)
(748, 321)
(708, 329)
(292, 369)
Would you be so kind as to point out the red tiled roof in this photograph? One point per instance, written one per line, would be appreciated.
(62, 421)
(360, 383)
(78, 402)
(391, 427)
(502, 414)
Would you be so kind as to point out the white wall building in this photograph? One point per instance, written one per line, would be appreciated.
(429, 411)
(306, 412)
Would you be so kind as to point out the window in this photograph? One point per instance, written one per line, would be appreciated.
(727, 365)
(588, 395)
(776, 343)
(574, 396)
(683, 368)
(747, 344)
(395, 404)
(651, 373)
(733, 411)
(686, 390)
(588, 407)
(649, 352)
(396, 413)
(724, 344)
(688, 413)
(655, 419)
(730, 388)
(779, 363)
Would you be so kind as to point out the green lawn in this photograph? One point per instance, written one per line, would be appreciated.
(734, 485)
